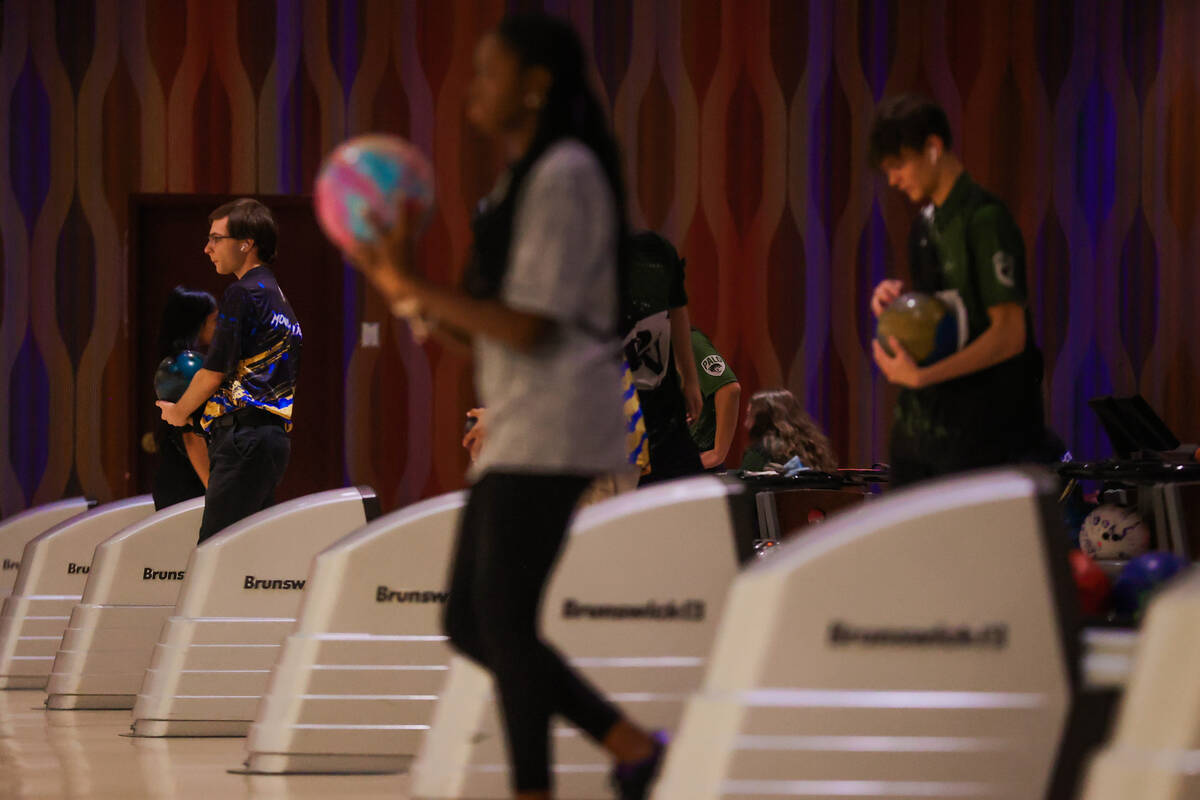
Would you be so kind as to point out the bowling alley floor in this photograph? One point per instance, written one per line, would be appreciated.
(81, 754)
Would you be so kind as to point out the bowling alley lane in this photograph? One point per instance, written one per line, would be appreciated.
(81, 754)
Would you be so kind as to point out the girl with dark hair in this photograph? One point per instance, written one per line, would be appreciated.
(188, 323)
(540, 307)
(779, 429)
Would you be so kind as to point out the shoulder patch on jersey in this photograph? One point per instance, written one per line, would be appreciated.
(1006, 268)
(714, 365)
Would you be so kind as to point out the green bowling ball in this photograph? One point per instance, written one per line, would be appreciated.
(923, 324)
(174, 374)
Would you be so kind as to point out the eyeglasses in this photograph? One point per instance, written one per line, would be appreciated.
(215, 238)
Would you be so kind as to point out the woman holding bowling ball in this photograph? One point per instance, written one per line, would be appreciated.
(539, 305)
(188, 323)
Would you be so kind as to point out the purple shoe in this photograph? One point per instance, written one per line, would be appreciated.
(633, 780)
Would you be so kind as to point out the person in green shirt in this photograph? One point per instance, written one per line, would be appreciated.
(981, 405)
(714, 429)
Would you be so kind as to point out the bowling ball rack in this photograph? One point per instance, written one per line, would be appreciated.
(1138, 472)
(815, 479)
(1168, 495)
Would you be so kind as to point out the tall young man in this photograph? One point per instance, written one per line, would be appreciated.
(245, 390)
(982, 405)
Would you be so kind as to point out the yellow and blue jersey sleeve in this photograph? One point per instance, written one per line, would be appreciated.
(637, 444)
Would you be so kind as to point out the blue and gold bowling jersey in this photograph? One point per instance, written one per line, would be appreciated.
(256, 347)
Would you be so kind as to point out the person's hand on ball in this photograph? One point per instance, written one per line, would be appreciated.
(387, 257)
(172, 415)
(398, 240)
(887, 291)
(389, 243)
(473, 440)
(900, 368)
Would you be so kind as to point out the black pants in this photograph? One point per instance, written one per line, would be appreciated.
(175, 479)
(247, 460)
(984, 419)
(673, 455)
(913, 460)
(511, 532)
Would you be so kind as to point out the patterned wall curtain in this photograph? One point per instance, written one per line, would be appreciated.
(744, 125)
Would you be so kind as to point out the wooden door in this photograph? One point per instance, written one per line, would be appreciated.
(166, 249)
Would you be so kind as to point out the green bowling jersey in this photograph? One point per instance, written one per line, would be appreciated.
(714, 373)
(970, 252)
(976, 252)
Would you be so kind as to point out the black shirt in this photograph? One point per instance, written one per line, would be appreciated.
(656, 285)
(256, 347)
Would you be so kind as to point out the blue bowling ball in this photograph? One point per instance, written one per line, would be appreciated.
(174, 373)
(1141, 579)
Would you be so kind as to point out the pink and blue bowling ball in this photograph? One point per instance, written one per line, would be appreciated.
(368, 178)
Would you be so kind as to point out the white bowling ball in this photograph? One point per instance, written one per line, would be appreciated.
(1113, 532)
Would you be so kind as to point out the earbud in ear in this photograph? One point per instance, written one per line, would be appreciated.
(243, 248)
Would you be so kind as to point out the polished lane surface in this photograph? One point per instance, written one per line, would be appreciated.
(81, 754)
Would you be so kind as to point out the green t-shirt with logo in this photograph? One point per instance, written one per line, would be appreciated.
(979, 253)
(714, 373)
(970, 253)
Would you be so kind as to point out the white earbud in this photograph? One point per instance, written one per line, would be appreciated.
(243, 248)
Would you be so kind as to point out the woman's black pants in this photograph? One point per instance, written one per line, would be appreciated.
(511, 532)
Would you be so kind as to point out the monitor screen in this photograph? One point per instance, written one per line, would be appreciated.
(1132, 425)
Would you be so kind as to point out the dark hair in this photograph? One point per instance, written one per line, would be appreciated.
(648, 247)
(654, 248)
(906, 121)
(570, 110)
(781, 427)
(250, 219)
(183, 317)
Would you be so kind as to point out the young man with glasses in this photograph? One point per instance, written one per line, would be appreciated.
(245, 391)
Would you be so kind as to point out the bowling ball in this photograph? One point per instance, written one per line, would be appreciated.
(923, 324)
(366, 178)
(174, 373)
(1092, 585)
(1114, 532)
(1142, 578)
